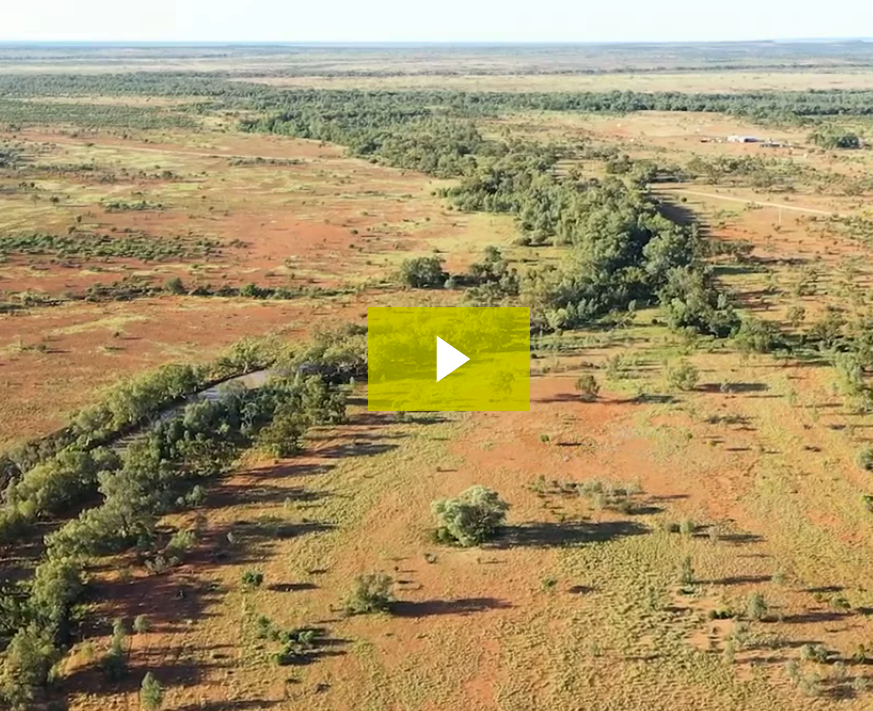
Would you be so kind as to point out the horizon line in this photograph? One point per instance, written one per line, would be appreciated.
(418, 43)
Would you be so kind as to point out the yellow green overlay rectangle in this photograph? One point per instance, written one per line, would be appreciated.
(403, 358)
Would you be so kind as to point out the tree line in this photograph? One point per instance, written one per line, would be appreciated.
(158, 472)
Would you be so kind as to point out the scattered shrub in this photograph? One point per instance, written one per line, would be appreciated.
(115, 662)
(814, 653)
(588, 387)
(686, 572)
(151, 693)
(683, 376)
(371, 593)
(28, 660)
(756, 607)
(252, 579)
(471, 518)
(174, 286)
(423, 273)
(141, 624)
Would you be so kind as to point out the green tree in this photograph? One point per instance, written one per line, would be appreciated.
(29, 659)
(683, 375)
(151, 693)
(115, 661)
(175, 286)
(756, 607)
(371, 593)
(588, 387)
(423, 273)
(471, 518)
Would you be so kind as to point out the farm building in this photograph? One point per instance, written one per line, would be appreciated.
(742, 139)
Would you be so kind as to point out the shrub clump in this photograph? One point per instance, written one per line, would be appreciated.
(683, 376)
(864, 459)
(423, 273)
(372, 593)
(151, 694)
(588, 388)
(471, 518)
(252, 579)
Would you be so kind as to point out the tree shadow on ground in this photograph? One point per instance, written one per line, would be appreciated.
(740, 580)
(256, 493)
(814, 616)
(580, 590)
(91, 680)
(238, 705)
(462, 606)
(242, 542)
(169, 600)
(826, 589)
(292, 587)
(559, 535)
(356, 449)
(735, 388)
(740, 539)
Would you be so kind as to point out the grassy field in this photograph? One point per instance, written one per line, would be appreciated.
(734, 575)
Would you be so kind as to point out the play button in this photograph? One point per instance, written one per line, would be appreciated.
(448, 359)
(406, 343)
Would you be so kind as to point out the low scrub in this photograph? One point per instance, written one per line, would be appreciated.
(371, 593)
(471, 518)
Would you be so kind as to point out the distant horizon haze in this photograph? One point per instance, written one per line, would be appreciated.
(382, 22)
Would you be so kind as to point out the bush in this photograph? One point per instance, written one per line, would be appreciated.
(588, 387)
(29, 658)
(683, 376)
(181, 542)
(686, 572)
(756, 607)
(471, 518)
(865, 459)
(281, 438)
(57, 583)
(141, 624)
(691, 301)
(423, 273)
(814, 653)
(835, 137)
(151, 694)
(372, 593)
(175, 286)
(252, 579)
(758, 336)
(115, 661)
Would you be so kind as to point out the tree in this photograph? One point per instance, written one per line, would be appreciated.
(175, 286)
(115, 661)
(281, 438)
(835, 137)
(141, 624)
(588, 387)
(471, 518)
(372, 593)
(29, 658)
(756, 607)
(151, 693)
(252, 579)
(758, 336)
(57, 583)
(423, 273)
(796, 316)
(683, 376)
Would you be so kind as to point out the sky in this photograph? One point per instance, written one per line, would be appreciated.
(434, 21)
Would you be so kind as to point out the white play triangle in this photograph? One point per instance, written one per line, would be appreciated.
(448, 359)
